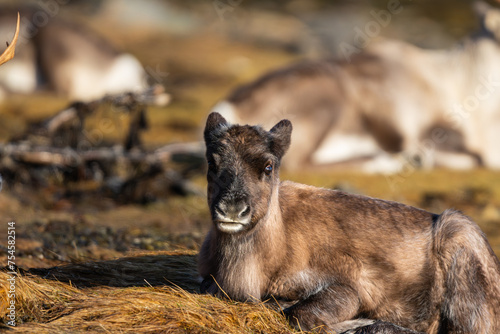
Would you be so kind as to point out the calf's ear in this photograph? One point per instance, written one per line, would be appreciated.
(281, 137)
(214, 120)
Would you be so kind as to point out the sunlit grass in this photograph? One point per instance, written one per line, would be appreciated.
(48, 306)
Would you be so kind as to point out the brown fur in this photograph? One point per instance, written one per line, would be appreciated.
(334, 256)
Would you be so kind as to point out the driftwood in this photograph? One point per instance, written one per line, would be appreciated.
(68, 157)
(66, 127)
(57, 152)
(125, 176)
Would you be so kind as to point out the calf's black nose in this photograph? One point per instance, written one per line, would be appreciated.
(233, 211)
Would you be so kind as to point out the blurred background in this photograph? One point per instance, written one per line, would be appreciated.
(194, 53)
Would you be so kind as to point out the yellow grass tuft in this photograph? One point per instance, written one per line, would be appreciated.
(50, 306)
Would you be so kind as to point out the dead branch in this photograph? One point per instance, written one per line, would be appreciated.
(68, 123)
(8, 54)
(68, 157)
(57, 152)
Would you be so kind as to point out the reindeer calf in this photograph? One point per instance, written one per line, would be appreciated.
(333, 257)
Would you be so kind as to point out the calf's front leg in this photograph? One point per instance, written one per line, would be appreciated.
(332, 310)
(325, 310)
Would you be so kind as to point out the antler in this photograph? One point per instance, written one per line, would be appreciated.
(8, 54)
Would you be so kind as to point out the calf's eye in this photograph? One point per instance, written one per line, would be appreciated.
(268, 169)
(211, 166)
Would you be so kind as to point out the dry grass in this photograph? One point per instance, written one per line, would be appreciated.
(101, 298)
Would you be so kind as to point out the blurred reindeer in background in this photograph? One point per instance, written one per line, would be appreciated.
(386, 106)
(69, 59)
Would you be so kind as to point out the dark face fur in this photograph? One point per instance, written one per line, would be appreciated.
(243, 163)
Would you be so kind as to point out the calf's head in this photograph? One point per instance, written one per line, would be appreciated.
(243, 163)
